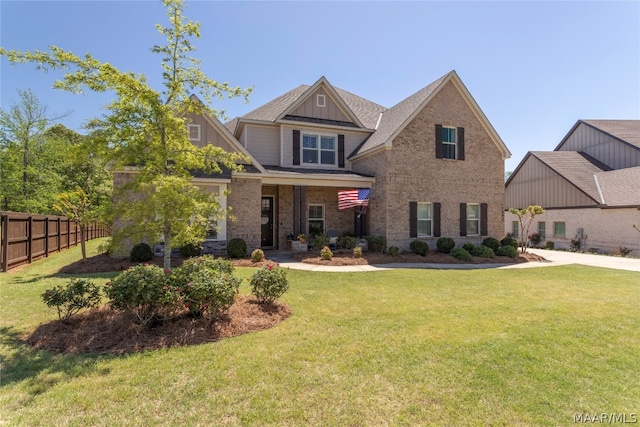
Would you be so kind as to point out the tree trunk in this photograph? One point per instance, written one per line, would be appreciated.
(83, 244)
(167, 247)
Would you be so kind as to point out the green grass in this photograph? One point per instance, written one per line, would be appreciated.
(401, 347)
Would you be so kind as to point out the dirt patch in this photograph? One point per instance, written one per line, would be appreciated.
(433, 257)
(105, 331)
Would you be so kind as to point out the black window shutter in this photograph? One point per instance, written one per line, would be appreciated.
(413, 219)
(463, 219)
(438, 141)
(460, 143)
(483, 219)
(296, 147)
(436, 220)
(340, 151)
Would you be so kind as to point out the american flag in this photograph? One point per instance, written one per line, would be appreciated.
(350, 198)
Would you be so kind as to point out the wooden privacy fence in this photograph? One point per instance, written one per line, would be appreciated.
(28, 237)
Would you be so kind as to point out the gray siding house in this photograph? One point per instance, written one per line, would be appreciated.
(589, 185)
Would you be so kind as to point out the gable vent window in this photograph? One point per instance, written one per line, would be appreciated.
(321, 100)
(194, 132)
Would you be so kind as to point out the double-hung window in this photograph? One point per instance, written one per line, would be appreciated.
(424, 217)
(448, 143)
(515, 228)
(559, 229)
(542, 230)
(316, 219)
(318, 149)
(473, 219)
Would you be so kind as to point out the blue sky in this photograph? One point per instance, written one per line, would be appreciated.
(534, 68)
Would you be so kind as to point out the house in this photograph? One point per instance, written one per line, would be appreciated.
(589, 186)
(433, 163)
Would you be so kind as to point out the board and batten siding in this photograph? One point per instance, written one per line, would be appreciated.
(608, 150)
(537, 184)
(330, 111)
(209, 135)
(263, 142)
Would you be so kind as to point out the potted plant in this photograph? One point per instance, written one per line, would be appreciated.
(302, 238)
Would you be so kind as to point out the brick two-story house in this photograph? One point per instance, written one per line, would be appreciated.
(433, 162)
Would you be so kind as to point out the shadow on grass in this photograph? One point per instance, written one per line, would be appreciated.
(41, 370)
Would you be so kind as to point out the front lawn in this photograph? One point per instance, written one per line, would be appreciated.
(401, 347)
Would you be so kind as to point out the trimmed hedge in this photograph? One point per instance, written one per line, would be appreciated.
(492, 243)
(141, 253)
(419, 247)
(237, 248)
(445, 244)
(461, 254)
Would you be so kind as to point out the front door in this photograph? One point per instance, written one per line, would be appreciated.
(266, 219)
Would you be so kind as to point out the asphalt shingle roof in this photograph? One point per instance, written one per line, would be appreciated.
(626, 130)
(620, 187)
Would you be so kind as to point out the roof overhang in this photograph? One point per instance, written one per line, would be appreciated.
(310, 179)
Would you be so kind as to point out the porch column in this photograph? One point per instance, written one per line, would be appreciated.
(299, 209)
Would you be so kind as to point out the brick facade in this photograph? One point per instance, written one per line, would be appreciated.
(244, 200)
(413, 173)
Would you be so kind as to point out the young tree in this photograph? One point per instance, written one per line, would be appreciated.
(146, 130)
(30, 163)
(525, 217)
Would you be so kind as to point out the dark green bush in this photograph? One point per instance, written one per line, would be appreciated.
(141, 253)
(492, 243)
(483, 251)
(393, 251)
(376, 243)
(70, 299)
(445, 244)
(236, 248)
(146, 291)
(269, 283)
(460, 254)
(509, 241)
(419, 247)
(347, 241)
(468, 247)
(550, 245)
(507, 250)
(190, 250)
(206, 261)
(209, 292)
(320, 241)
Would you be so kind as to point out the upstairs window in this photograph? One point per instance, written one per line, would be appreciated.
(318, 149)
(448, 143)
(194, 132)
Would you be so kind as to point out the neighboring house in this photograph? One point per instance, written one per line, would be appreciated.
(433, 162)
(589, 186)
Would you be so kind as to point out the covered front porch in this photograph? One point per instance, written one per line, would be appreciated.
(295, 202)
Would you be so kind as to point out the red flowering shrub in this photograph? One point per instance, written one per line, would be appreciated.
(269, 283)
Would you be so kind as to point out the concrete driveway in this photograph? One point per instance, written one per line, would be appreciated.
(563, 258)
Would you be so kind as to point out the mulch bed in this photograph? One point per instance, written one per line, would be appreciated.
(106, 331)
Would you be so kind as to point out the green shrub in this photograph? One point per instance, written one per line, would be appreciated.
(460, 254)
(483, 251)
(346, 241)
(357, 252)
(509, 241)
(257, 255)
(326, 253)
(210, 292)
(145, 290)
(236, 248)
(468, 247)
(492, 243)
(203, 262)
(507, 250)
(190, 250)
(393, 251)
(78, 294)
(376, 243)
(320, 241)
(550, 245)
(269, 283)
(141, 253)
(445, 244)
(419, 247)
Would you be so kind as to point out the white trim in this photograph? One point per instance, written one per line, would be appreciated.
(321, 180)
(595, 177)
(194, 126)
(297, 125)
(281, 145)
(320, 96)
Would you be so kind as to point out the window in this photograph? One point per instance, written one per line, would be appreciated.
(515, 228)
(318, 149)
(321, 100)
(194, 132)
(558, 229)
(424, 215)
(448, 143)
(212, 229)
(542, 230)
(316, 219)
(473, 219)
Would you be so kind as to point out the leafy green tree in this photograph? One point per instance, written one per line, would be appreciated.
(525, 217)
(30, 163)
(145, 130)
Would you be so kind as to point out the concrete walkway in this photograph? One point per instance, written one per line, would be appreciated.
(552, 258)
